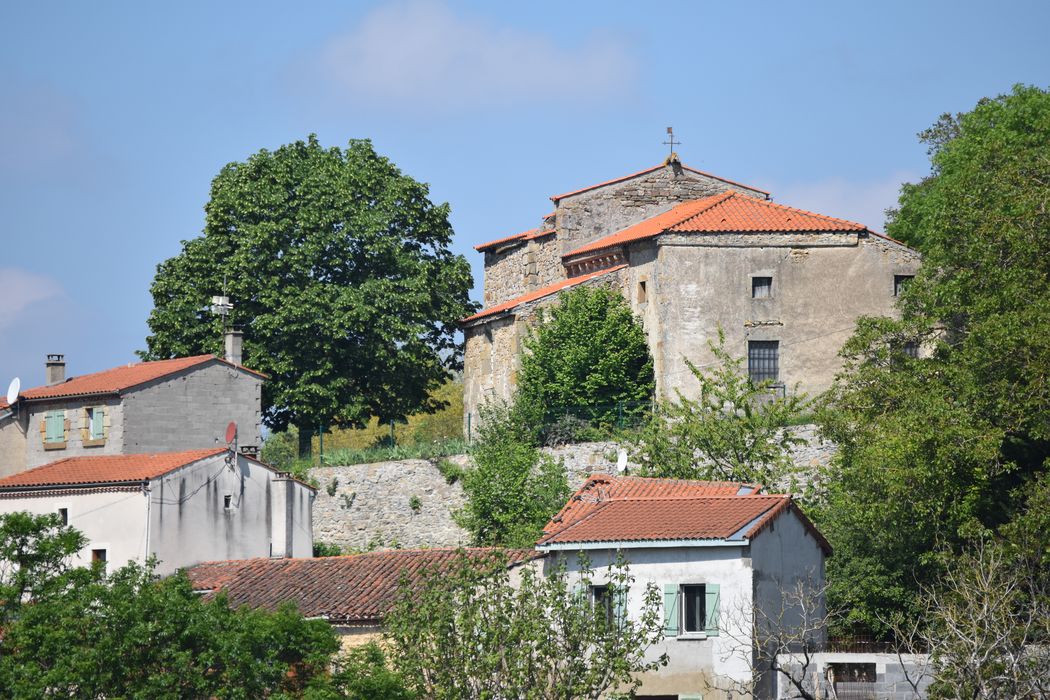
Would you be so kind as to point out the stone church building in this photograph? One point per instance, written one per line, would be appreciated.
(690, 251)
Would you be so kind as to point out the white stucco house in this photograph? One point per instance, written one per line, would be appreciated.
(182, 507)
(721, 554)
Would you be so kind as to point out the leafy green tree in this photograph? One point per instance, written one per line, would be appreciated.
(473, 633)
(589, 354)
(339, 269)
(34, 557)
(733, 431)
(132, 635)
(513, 489)
(937, 447)
(363, 673)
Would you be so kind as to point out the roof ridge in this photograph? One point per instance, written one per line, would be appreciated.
(807, 212)
(557, 197)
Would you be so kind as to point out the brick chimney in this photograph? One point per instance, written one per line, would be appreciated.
(55, 369)
(234, 337)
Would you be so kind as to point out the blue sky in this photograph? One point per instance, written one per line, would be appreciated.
(114, 117)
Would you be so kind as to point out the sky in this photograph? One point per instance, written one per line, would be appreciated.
(115, 116)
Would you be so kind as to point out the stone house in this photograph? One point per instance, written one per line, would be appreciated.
(721, 554)
(691, 252)
(179, 404)
(353, 593)
(181, 507)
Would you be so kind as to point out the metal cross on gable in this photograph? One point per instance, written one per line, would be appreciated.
(670, 139)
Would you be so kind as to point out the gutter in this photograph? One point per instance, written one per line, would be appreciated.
(92, 485)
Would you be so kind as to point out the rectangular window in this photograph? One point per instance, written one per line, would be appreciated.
(63, 515)
(642, 295)
(900, 282)
(55, 426)
(911, 349)
(763, 360)
(98, 555)
(96, 422)
(694, 603)
(761, 287)
(602, 600)
(227, 501)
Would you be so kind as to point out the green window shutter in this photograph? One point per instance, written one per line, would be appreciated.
(98, 430)
(711, 614)
(620, 606)
(671, 609)
(55, 422)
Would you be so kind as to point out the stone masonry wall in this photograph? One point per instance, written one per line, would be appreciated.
(522, 267)
(368, 506)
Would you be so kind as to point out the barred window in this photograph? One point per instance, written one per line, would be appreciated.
(761, 287)
(763, 360)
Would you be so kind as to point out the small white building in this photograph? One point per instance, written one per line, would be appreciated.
(182, 507)
(723, 556)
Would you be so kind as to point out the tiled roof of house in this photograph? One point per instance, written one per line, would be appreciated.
(600, 488)
(728, 212)
(118, 379)
(540, 293)
(106, 469)
(523, 236)
(354, 588)
(614, 181)
(633, 509)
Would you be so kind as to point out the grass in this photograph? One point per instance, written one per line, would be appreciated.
(367, 455)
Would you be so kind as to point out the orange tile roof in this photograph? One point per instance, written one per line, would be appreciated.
(602, 487)
(634, 509)
(118, 379)
(540, 293)
(614, 181)
(523, 236)
(106, 469)
(725, 212)
(356, 588)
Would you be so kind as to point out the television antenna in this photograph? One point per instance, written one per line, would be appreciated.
(221, 306)
(231, 442)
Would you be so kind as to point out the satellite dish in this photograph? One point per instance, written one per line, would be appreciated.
(12, 391)
(621, 461)
(231, 432)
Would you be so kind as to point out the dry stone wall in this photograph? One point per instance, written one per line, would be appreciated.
(410, 503)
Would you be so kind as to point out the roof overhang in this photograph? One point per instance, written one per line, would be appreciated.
(639, 544)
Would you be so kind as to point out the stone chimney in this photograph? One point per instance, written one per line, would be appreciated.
(234, 338)
(56, 369)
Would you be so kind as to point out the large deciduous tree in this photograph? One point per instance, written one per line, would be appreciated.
(938, 447)
(339, 269)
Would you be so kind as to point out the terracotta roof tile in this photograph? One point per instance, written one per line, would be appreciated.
(106, 469)
(725, 212)
(602, 487)
(118, 379)
(540, 293)
(614, 181)
(355, 588)
(635, 519)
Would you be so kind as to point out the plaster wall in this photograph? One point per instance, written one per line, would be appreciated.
(821, 285)
(77, 442)
(191, 410)
(13, 429)
(190, 523)
(696, 665)
(113, 519)
(586, 217)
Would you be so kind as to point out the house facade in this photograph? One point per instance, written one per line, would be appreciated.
(692, 253)
(723, 556)
(167, 405)
(181, 507)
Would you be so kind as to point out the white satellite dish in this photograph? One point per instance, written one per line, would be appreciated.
(621, 461)
(12, 391)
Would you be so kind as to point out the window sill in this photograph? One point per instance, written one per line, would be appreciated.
(94, 443)
(55, 445)
(692, 637)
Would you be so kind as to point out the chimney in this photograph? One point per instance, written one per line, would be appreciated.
(234, 338)
(55, 369)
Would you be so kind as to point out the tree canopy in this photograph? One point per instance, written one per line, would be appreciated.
(588, 354)
(339, 269)
(936, 449)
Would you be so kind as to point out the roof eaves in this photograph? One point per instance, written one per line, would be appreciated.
(638, 544)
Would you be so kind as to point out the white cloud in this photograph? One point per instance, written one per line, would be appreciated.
(19, 290)
(862, 201)
(419, 54)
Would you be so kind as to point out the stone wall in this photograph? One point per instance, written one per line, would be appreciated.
(589, 215)
(519, 267)
(368, 506)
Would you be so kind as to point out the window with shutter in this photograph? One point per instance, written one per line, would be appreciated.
(671, 609)
(98, 422)
(55, 426)
(711, 593)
